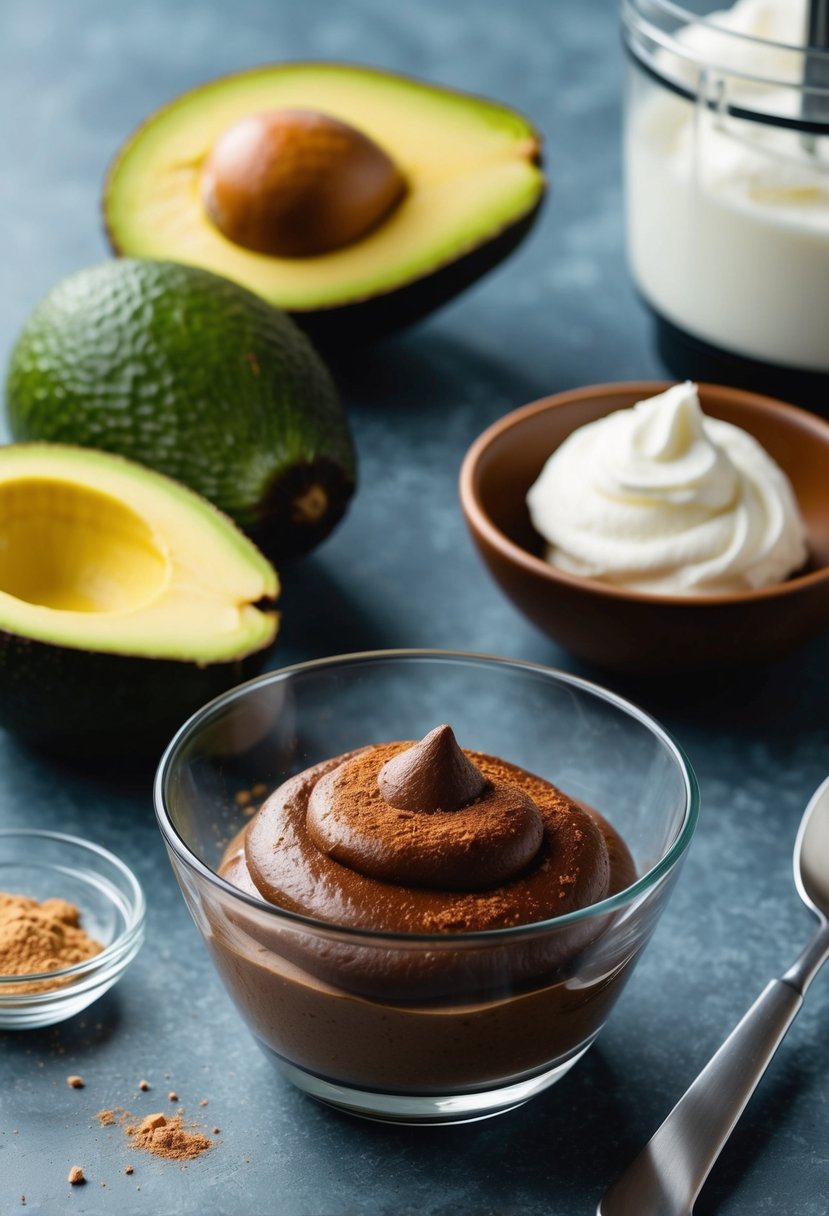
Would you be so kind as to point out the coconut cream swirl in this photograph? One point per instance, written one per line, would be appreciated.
(660, 498)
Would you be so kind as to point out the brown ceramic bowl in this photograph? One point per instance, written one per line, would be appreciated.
(629, 630)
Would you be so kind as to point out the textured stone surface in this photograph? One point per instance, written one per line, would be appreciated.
(75, 78)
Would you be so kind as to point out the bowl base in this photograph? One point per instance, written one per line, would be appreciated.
(690, 358)
(423, 1110)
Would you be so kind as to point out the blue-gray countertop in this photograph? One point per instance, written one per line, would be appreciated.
(75, 78)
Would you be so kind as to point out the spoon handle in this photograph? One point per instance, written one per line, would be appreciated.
(666, 1177)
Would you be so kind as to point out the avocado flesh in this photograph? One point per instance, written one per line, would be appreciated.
(132, 563)
(471, 168)
(126, 601)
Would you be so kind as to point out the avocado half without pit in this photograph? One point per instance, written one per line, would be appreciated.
(126, 602)
(355, 199)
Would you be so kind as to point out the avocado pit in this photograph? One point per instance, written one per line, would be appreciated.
(297, 183)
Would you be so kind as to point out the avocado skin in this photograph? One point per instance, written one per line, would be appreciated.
(105, 706)
(363, 321)
(186, 372)
(379, 316)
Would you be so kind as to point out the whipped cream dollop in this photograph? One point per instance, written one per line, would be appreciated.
(660, 498)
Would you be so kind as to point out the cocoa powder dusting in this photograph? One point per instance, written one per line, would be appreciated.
(37, 937)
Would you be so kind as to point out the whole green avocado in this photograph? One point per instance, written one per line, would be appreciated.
(192, 375)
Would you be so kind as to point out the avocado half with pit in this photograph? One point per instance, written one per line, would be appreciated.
(354, 199)
(126, 601)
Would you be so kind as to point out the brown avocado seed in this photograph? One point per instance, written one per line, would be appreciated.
(295, 183)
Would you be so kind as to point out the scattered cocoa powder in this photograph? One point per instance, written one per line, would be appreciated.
(149, 1124)
(76, 1176)
(75, 1082)
(172, 1096)
(168, 1138)
(128, 1169)
(159, 1134)
(37, 937)
(143, 1085)
(249, 800)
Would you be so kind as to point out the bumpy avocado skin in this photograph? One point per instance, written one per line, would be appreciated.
(89, 706)
(192, 375)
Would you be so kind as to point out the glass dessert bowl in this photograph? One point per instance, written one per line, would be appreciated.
(100, 891)
(358, 1005)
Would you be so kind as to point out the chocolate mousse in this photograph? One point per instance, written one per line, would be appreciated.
(394, 841)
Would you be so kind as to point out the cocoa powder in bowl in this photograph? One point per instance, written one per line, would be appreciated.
(39, 937)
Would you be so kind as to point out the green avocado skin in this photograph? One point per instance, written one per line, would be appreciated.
(348, 325)
(192, 375)
(105, 707)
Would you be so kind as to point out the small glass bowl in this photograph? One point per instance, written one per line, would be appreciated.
(50, 865)
(423, 1028)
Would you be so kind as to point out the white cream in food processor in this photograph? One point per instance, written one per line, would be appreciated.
(660, 498)
(728, 219)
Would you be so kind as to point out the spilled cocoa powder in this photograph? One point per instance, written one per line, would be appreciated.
(165, 1136)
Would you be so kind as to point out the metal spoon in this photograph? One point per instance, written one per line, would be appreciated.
(667, 1176)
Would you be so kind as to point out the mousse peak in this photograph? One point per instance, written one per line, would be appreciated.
(433, 775)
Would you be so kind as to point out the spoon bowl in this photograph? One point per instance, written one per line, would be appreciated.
(667, 1176)
(811, 853)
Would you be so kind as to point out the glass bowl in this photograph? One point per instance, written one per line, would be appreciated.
(438, 1027)
(49, 865)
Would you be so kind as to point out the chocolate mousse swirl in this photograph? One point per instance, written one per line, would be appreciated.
(425, 838)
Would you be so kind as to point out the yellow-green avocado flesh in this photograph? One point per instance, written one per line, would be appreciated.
(126, 601)
(474, 187)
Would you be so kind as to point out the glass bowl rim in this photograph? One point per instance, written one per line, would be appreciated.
(136, 910)
(632, 10)
(640, 25)
(612, 903)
